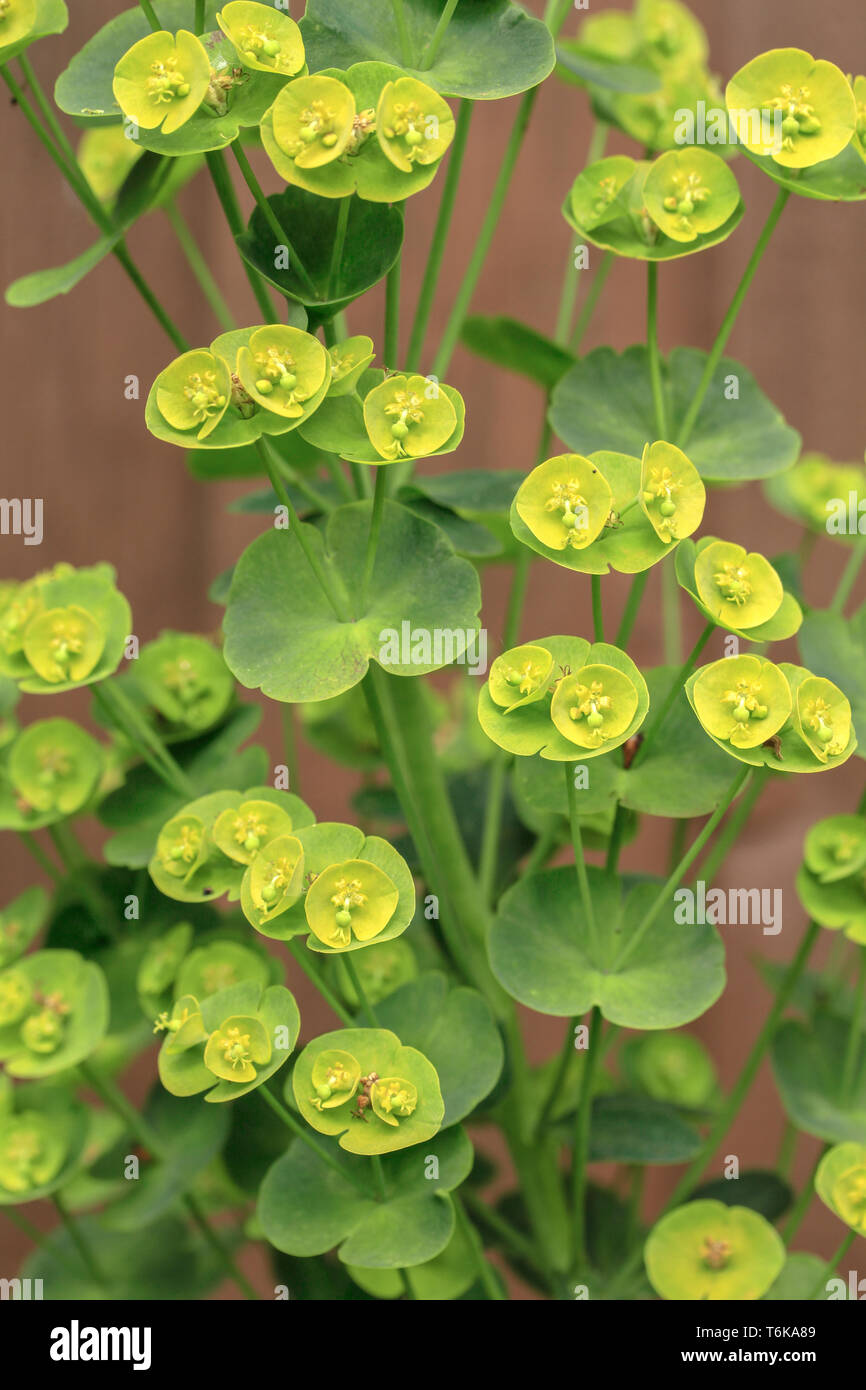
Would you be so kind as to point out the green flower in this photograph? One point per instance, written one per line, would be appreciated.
(20, 920)
(335, 1077)
(835, 848)
(671, 32)
(236, 1047)
(831, 883)
(349, 360)
(32, 1148)
(822, 717)
(162, 80)
(218, 965)
(594, 707)
(565, 501)
(595, 195)
(520, 676)
(689, 193)
(241, 833)
(670, 1067)
(737, 590)
(266, 39)
(161, 961)
(283, 368)
(807, 108)
(807, 490)
(313, 119)
(64, 628)
(413, 123)
(17, 19)
(53, 1013)
(840, 1182)
(382, 968)
(408, 417)
(16, 995)
(106, 156)
(181, 845)
(859, 86)
(55, 767)
(672, 493)
(354, 898)
(185, 679)
(276, 876)
(708, 1250)
(184, 1027)
(742, 700)
(194, 391)
(64, 644)
(393, 1099)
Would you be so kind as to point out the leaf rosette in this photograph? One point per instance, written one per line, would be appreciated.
(708, 1250)
(396, 1101)
(737, 591)
(230, 1043)
(598, 699)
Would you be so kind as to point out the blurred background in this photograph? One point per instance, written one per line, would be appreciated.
(112, 492)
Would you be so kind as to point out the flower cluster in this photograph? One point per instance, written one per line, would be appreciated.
(226, 1044)
(64, 628)
(51, 771)
(737, 591)
(831, 883)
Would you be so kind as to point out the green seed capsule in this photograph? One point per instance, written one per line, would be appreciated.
(413, 137)
(344, 918)
(264, 387)
(329, 141)
(323, 1092)
(667, 507)
(741, 714)
(400, 429)
(269, 893)
(288, 381)
(595, 720)
(790, 126)
(252, 842)
(685, 207)
(271, 47)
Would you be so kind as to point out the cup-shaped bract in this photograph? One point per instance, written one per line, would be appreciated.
(352, 899)
(184, 678)
(283, 369)
(408, 417)
(822, 717)
(275, 877)
(672, 492)
(233, 1050)
(670, 32)
(162, 80)
(16, 995)
(393, 1099)
(55, 766)
(53, 1012)
(181, 845)
(796, 108)
(17, 20)
(161, 961)
(64, 644)
(242, 832)
(565, 501)
(64, 628)
(520, 676)
(335, 1077)
(742, 700)
(595, 195)
(817, 491)
(312, 120)
(690, 192)
(183, 1026)
(594, 707)
(19, 603)
(20, 920)
(859, 87)
(840, 1182)
(738, 590)
(381, 968)
(835, 848)
(218, 965)
(414, 125)
(672, 1067)
(267, 40)
(349, 360)
(32, 1149)
(194, 391)
(708, 1250)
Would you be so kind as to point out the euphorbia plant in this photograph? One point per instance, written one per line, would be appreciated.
(428, 916)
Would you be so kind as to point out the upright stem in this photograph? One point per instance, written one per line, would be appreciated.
(301, 1132)
(199, 266)
(653, 349)
(366, 1007)
(632, 605)
(684, 432)
(579, 860)
(213, 1240)
(440, 237)
(849, 577)
(125, 715)
(403, 33)
(28, 839)
(674, 689)
(300, 532)
(581, 1142)
(802, 1204)
(392, 316)
(852, 1046)
(219, 172)
(339, 243)
(428, 57)
(492, 824)
(734, 824)
(304, 959)
(373, 536)
(489, 1282)
(88, 1257)
(831, 1266)
(573, 276)
(150, 14)
(587, 309)
(198, 23)
(597, 617)
(271, 218)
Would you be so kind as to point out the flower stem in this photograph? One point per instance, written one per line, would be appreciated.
(679, 872)
(301, 1132)
(403, 33)
(516, 1242)
(440, 237)
(581, 1142)
(150, 14)
(674, 689)
(632, 605)
(852, 1046)
(198, 23)
(428, 57)
(597, 616)
(300, 532)
(339, 243)
(489, 858)
(219, 172)
(684, 432)
(199, 266)
(366, 1007)
(831, 1265)
(392, 316)
(373, 537)
(211, 1236)
(303, 958)
(125, 715)
(271, 218)
(734, 824)
(579, 860)
(652, 339)
(573, 275)
(88, 1258)
(587, 309)
(489, 1282)
(28, 839)
(848, 578)
(802, 1204)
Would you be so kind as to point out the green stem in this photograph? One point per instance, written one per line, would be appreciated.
(403, 33)
(115, 1099)
(579, 860)
(211, 1236)
(198, 23)
(852, 1046)
(489, 1282)
(440, 237)
(75, 861)
(831, 1266)
(366, 1007)
(546, 844)
(558, 1076)
(301, 1132)
(734, 825)
(300, 532)
(652, 339)
(679, 872)
(339, 243)
(593, 295)
(684, 432)
(38, 1238)
(848, 578)
(199, 266)
(302, 955)
(88, 1258)
(379, 495)
(581, 1142)
(672, 633)
(290, 747)
(802, 1204)
(50, 118)
(597, 616)
(150, 14)
(28, 839)
(514, 1240)
(572, 279)
(219, 172)
(271, 218)
(124, 713)
(674, 689)
(392, 316)
(632, 605)
(493, 824)
(428, 57)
